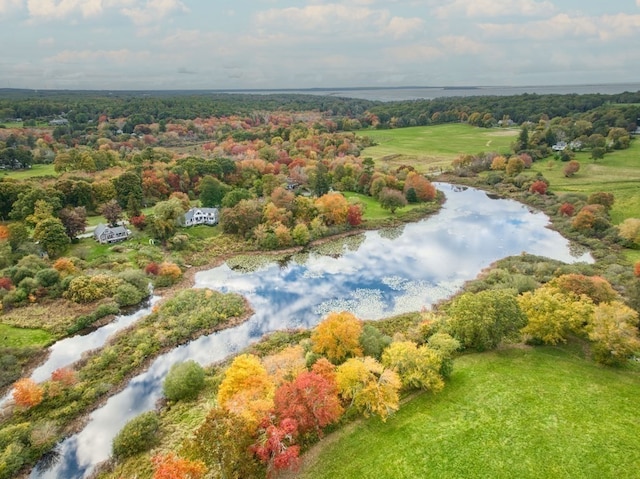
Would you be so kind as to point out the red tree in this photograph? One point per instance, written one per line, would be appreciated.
(567, 209)
(275, 446)
(310, 399)
(354, 215)
(636, 269)
(5, 283)
(539, 187)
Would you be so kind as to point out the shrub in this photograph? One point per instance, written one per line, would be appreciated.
(128, 295)
(539, 187)
(138, 435)
(86, 289)
(184, 381)
(598, 289)
(300, 234)
(601, 198)
(64, 266)
(169, 273)
(629, 230)
(613, 329)
(26, 393)
(5, 283)
(567, 209)
(136, 278)
(571, 168)
(47, 277)
(636, 269)
(515, 165)
(28, 285)
(152, 268)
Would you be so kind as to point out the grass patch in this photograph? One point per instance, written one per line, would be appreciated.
(12, 337)
(373, 210)
(35, 171)
(527, 413)
(201, 231)
(428, 147)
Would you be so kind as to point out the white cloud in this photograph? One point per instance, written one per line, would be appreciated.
(413, 53)
(608, 27)
(53, 9)
(337, 18)
(121, 57)
(153, 10)
(46, 42)
(495, 8)
(7, 6)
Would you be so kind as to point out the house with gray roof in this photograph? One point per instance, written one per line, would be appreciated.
(201, 216)
(110, 234)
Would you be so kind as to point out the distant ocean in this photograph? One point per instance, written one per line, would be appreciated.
(429, 93)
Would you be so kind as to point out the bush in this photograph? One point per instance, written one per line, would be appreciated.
(184, 381)
(128, 295)
(47, 277)
(138, 435)
(85, 289)
(136, 278)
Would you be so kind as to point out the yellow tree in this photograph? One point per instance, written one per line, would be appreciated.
(418, 367)
(552, 315)
(285, 365)
(334, 208)
(369, 386)
(337, 337)
(247, 389)
(614, 331)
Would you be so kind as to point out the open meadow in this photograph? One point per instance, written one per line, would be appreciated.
(429, 148)
(527, 413)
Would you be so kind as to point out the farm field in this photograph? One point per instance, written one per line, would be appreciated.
(527, 413)
(434, 147)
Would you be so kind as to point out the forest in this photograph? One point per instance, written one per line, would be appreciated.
(285, 173)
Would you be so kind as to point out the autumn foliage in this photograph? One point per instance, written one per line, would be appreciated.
(27, 393)
(310, 399)
(539, 187)
(425, 191)
(567, 209)
(275, 446)
(636, 269)
(170, 466)
(336, 337)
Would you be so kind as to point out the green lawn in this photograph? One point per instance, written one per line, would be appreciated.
(34, 172)
(618, 173)
(373, 210)
(539, 413)
(427, 147)
(21, 337)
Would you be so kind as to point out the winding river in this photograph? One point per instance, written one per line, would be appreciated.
(376, 274)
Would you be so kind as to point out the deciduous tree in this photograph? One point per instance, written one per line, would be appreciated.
(334, 208)
(337, 336)
(369, 387)
(424, 189)
(613, 328)
(247, 389)
(571, 168)
(51, 235)
(27, 393)
(170, 466)
(391, 199)
(112, 211)
(311, 399)
(418, 367)
(276, 445)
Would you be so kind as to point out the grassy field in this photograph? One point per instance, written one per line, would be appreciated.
(434, 146)
(535, 413)
(618, 173)
(373, 210)
(20, 337)
(34, 172)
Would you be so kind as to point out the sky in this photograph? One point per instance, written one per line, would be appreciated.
(229, 44)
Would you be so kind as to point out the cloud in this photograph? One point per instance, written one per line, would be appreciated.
(153, 10)
(120, 57)
(337, 18)
(604, 28)
(7, 6)
(495, 8)
(413, 53)
(52, 9)
(46, 42)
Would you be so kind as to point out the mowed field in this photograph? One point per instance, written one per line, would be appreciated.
(525, 413)
(430, 148)
(618, 173)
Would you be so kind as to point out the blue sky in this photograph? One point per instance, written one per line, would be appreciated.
(222, 44)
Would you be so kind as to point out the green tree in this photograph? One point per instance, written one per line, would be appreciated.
(184, 381)
(126, 185)
(391, 199)
(166, 217)
(138, 435)
(482, 320)
(51, 235)
(212, 191)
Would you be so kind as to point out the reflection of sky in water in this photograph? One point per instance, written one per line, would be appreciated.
(69, 350)
(426, 262)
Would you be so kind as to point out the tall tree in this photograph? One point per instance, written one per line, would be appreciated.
(112, 211)
(51, 235)
(127, 184)
(337, 337)
(74, 220)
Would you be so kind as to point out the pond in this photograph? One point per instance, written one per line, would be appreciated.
(376, 274)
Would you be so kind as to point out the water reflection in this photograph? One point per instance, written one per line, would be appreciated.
(389, 273)
(69, 350)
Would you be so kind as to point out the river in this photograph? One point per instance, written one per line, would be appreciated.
(376, 274)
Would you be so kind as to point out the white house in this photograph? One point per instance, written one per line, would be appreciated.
(201, 216)
(110, 234)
